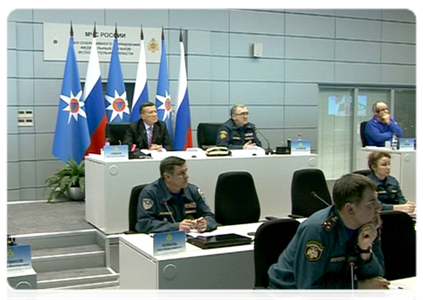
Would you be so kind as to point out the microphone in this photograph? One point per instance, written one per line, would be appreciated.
(268, 150)
(168, 210)
(313, 194)
(351, 262)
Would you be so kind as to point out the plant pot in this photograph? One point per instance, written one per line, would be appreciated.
(75, 193)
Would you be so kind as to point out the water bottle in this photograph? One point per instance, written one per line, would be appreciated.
(394, 142)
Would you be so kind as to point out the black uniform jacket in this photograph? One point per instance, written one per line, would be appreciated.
(136, 134)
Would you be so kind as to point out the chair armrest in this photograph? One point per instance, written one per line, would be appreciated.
(263, 293)
(296, 216)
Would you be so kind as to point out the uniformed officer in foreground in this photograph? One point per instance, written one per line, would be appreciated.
(171, 203)
(337, 247)
(237, 132)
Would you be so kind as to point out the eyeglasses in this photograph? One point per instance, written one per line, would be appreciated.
(244, 114)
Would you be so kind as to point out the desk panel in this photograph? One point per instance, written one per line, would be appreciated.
(220, 268)
(109, 184)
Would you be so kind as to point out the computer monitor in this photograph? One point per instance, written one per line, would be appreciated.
(115, 132)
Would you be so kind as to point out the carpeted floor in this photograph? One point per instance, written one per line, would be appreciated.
(43, 217)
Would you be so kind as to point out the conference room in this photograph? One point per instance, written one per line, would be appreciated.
(307, 77)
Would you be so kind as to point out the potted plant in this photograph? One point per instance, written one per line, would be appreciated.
(68, 181)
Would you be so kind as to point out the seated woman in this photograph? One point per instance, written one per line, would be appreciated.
(388, 189)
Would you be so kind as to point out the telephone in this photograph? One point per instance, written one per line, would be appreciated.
(218, 151)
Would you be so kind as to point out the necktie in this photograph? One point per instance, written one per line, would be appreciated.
(150, 135)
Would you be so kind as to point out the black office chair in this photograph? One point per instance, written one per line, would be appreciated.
(364, 141)
(363, 172)
(133, 206)
(308, 189)
(207, 134)
(398, 242)
(236, 200)
(270, 240)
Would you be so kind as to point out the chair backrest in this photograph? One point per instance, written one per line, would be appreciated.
(363, 172)
(305, 184)
(398, 242)
(207, 134)
(364, 141)
(236, 200)
(270, 240)
(115, 132)
(133, 206)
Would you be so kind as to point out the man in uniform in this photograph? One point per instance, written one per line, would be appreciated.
(237, 132)
(337, 247)
(148, 132)
(382, 126)
(171, 203)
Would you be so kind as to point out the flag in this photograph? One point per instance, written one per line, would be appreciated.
(94, 101)
(183, 136)
(116, 102)
(71, 137)
(141, 87)
(163, 103)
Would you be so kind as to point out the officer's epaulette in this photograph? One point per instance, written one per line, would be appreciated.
(330, 222)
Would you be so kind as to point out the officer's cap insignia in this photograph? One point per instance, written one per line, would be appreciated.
(147, 203)
(223, 134)
(313, 251)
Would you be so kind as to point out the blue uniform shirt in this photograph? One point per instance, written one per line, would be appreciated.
(234, 137)
(160, 211)
(377, 132)
(388, 192)
(318, 256)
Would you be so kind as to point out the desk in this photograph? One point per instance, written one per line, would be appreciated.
(109, 183)
(403, 168)
(411, 288)
(220, 268)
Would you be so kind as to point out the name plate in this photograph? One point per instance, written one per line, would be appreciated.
(300, 147)
(116, 152)
(407, 144)
(169, 242)
(19, 257)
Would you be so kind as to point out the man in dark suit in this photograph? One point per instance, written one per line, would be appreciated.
(148, 132)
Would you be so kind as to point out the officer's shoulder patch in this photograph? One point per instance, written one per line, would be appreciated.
(223, 134)
(330, 223)
(313, 250)
(201, 193)
(147, 203)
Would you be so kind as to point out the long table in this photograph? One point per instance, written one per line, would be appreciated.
(220, 268)
(109, 183)
(411, 288)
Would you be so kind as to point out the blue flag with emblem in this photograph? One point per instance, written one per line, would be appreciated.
(116, 102)
(163, 103)
(71, 137)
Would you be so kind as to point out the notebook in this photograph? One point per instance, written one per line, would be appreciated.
(217, 241)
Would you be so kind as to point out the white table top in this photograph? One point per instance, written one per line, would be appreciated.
(144, 243)
(411, 287)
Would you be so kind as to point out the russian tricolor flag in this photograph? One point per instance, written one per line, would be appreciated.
(94, 101)
(183, 134)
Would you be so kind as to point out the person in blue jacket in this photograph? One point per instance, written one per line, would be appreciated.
(171, 203)
(237, 132)
(387, 187)
(337, 247)
(382, 126)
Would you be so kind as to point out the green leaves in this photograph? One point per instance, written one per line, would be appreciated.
(71, 175)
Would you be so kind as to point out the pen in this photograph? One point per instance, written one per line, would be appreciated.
(396, 287)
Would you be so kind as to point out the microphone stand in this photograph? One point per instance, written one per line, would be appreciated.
(268, 150)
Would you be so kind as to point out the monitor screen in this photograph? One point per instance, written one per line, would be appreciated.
(115, 132)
